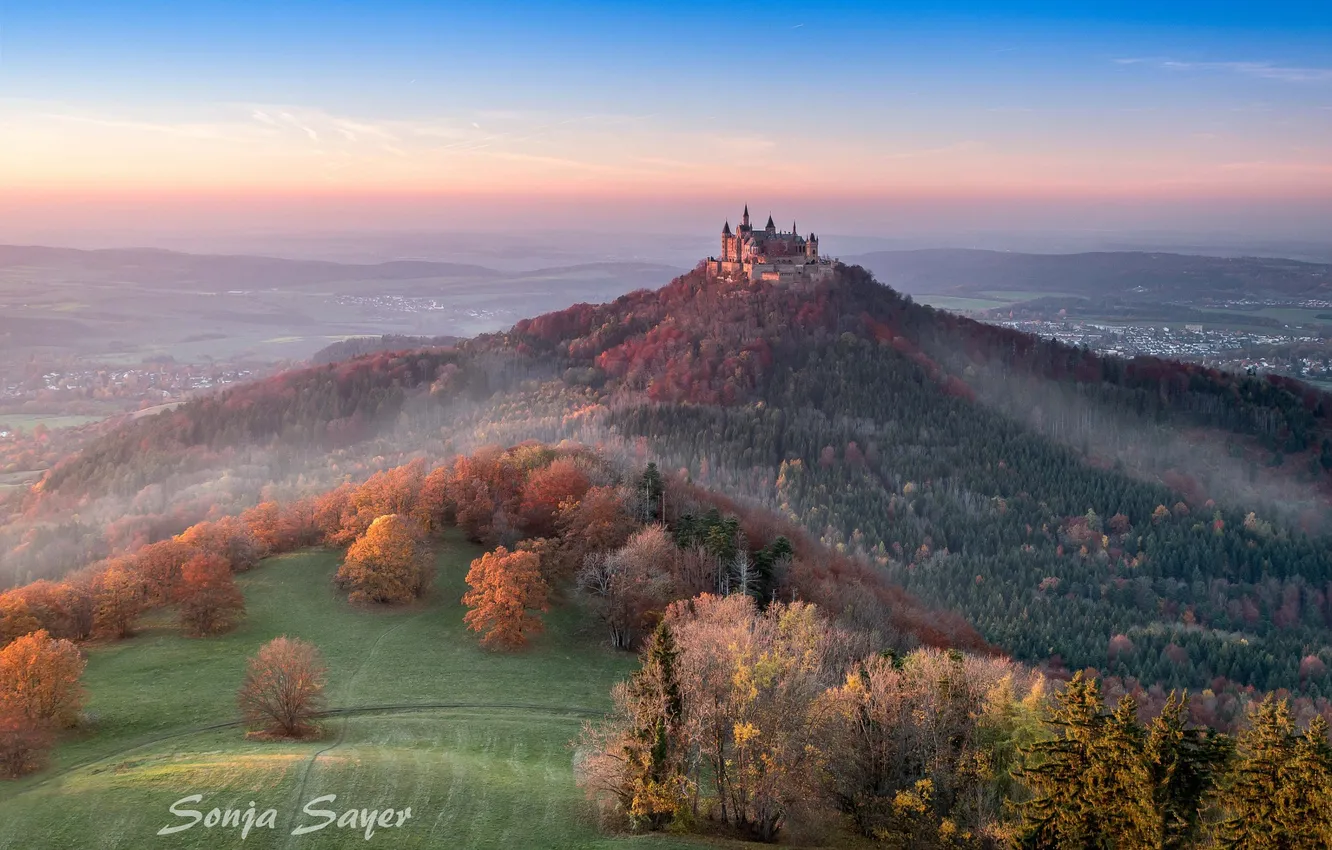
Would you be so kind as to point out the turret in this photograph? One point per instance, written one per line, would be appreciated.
(770, 227)
(727, 241)
(744, 220)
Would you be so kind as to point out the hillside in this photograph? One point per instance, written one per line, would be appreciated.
(1145, 518)
(476, 743)
(1142, 275)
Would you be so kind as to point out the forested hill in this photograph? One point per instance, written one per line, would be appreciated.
(880, 424)
(1141, 517)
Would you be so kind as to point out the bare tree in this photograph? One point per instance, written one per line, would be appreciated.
(283, 690)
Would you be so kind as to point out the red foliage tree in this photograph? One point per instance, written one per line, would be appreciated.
(23, 744)
(546, 490)
(210, 602)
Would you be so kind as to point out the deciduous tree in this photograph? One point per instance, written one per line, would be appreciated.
(389, 563)
(40, 679)
(209, 601)
(283, 691)
(547, 489)
(507, 590)
(118, 600)
(23, 744)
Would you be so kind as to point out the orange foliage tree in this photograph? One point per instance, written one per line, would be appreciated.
(507, 588)
(158, 567)
(389, 563)
(17, 618)
(228, 537)
(484, 491)
(118, 600)
(62, 608)
(40, 680)
(433, 508)
(283, 691)
(210, 602)
(598, 522)
(392, 491)
(282, 528)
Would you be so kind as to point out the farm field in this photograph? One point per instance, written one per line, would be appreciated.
(476, 743)
(29, 421)
(959, 303)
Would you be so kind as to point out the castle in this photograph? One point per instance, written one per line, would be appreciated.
(769, 254)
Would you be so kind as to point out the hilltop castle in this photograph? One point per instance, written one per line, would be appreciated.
(769, 254)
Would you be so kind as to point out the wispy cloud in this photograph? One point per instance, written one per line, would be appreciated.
(1260, 70)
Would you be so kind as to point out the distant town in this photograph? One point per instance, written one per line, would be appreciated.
(1222, 348)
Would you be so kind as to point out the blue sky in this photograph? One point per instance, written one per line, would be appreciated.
(1180, 102)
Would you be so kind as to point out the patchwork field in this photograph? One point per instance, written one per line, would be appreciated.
(475, 743)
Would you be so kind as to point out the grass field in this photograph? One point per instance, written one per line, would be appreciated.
(28, 421)
(958, 303)
(476, 743)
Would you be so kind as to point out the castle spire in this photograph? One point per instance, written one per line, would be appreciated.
(744, 222)
(770, 225)
(726, 228)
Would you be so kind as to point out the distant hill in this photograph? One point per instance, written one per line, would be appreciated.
(149, 266)
(1125, 274)
(362, 345)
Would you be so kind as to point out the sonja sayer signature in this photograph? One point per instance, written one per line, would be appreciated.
(319, 813)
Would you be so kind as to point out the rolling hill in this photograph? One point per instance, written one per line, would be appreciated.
(1159, 521)
(422, 718)
(1134, 274)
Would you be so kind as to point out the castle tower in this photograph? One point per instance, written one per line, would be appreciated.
(770, 227)
(744, 220)
(812, 247)
(727, 252)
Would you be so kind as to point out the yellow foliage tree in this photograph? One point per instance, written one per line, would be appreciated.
(389, 563)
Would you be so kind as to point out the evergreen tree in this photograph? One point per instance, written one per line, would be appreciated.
(1065, 811)
(654, 753)
(1183, 763)
(1276, 794)
(1119, 781)
(651, 490)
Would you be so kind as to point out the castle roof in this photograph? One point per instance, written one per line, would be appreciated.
(726, 229)
(770, 224)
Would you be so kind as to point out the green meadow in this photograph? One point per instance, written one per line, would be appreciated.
(476, 743)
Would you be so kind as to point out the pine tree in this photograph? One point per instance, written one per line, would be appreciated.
(1276, 793)
(1064, 811)
(651, 490)
(1307, 791)
(1183, 763)
(1119, 781)
(655, 752)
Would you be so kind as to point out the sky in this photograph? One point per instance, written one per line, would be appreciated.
(858, 117)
